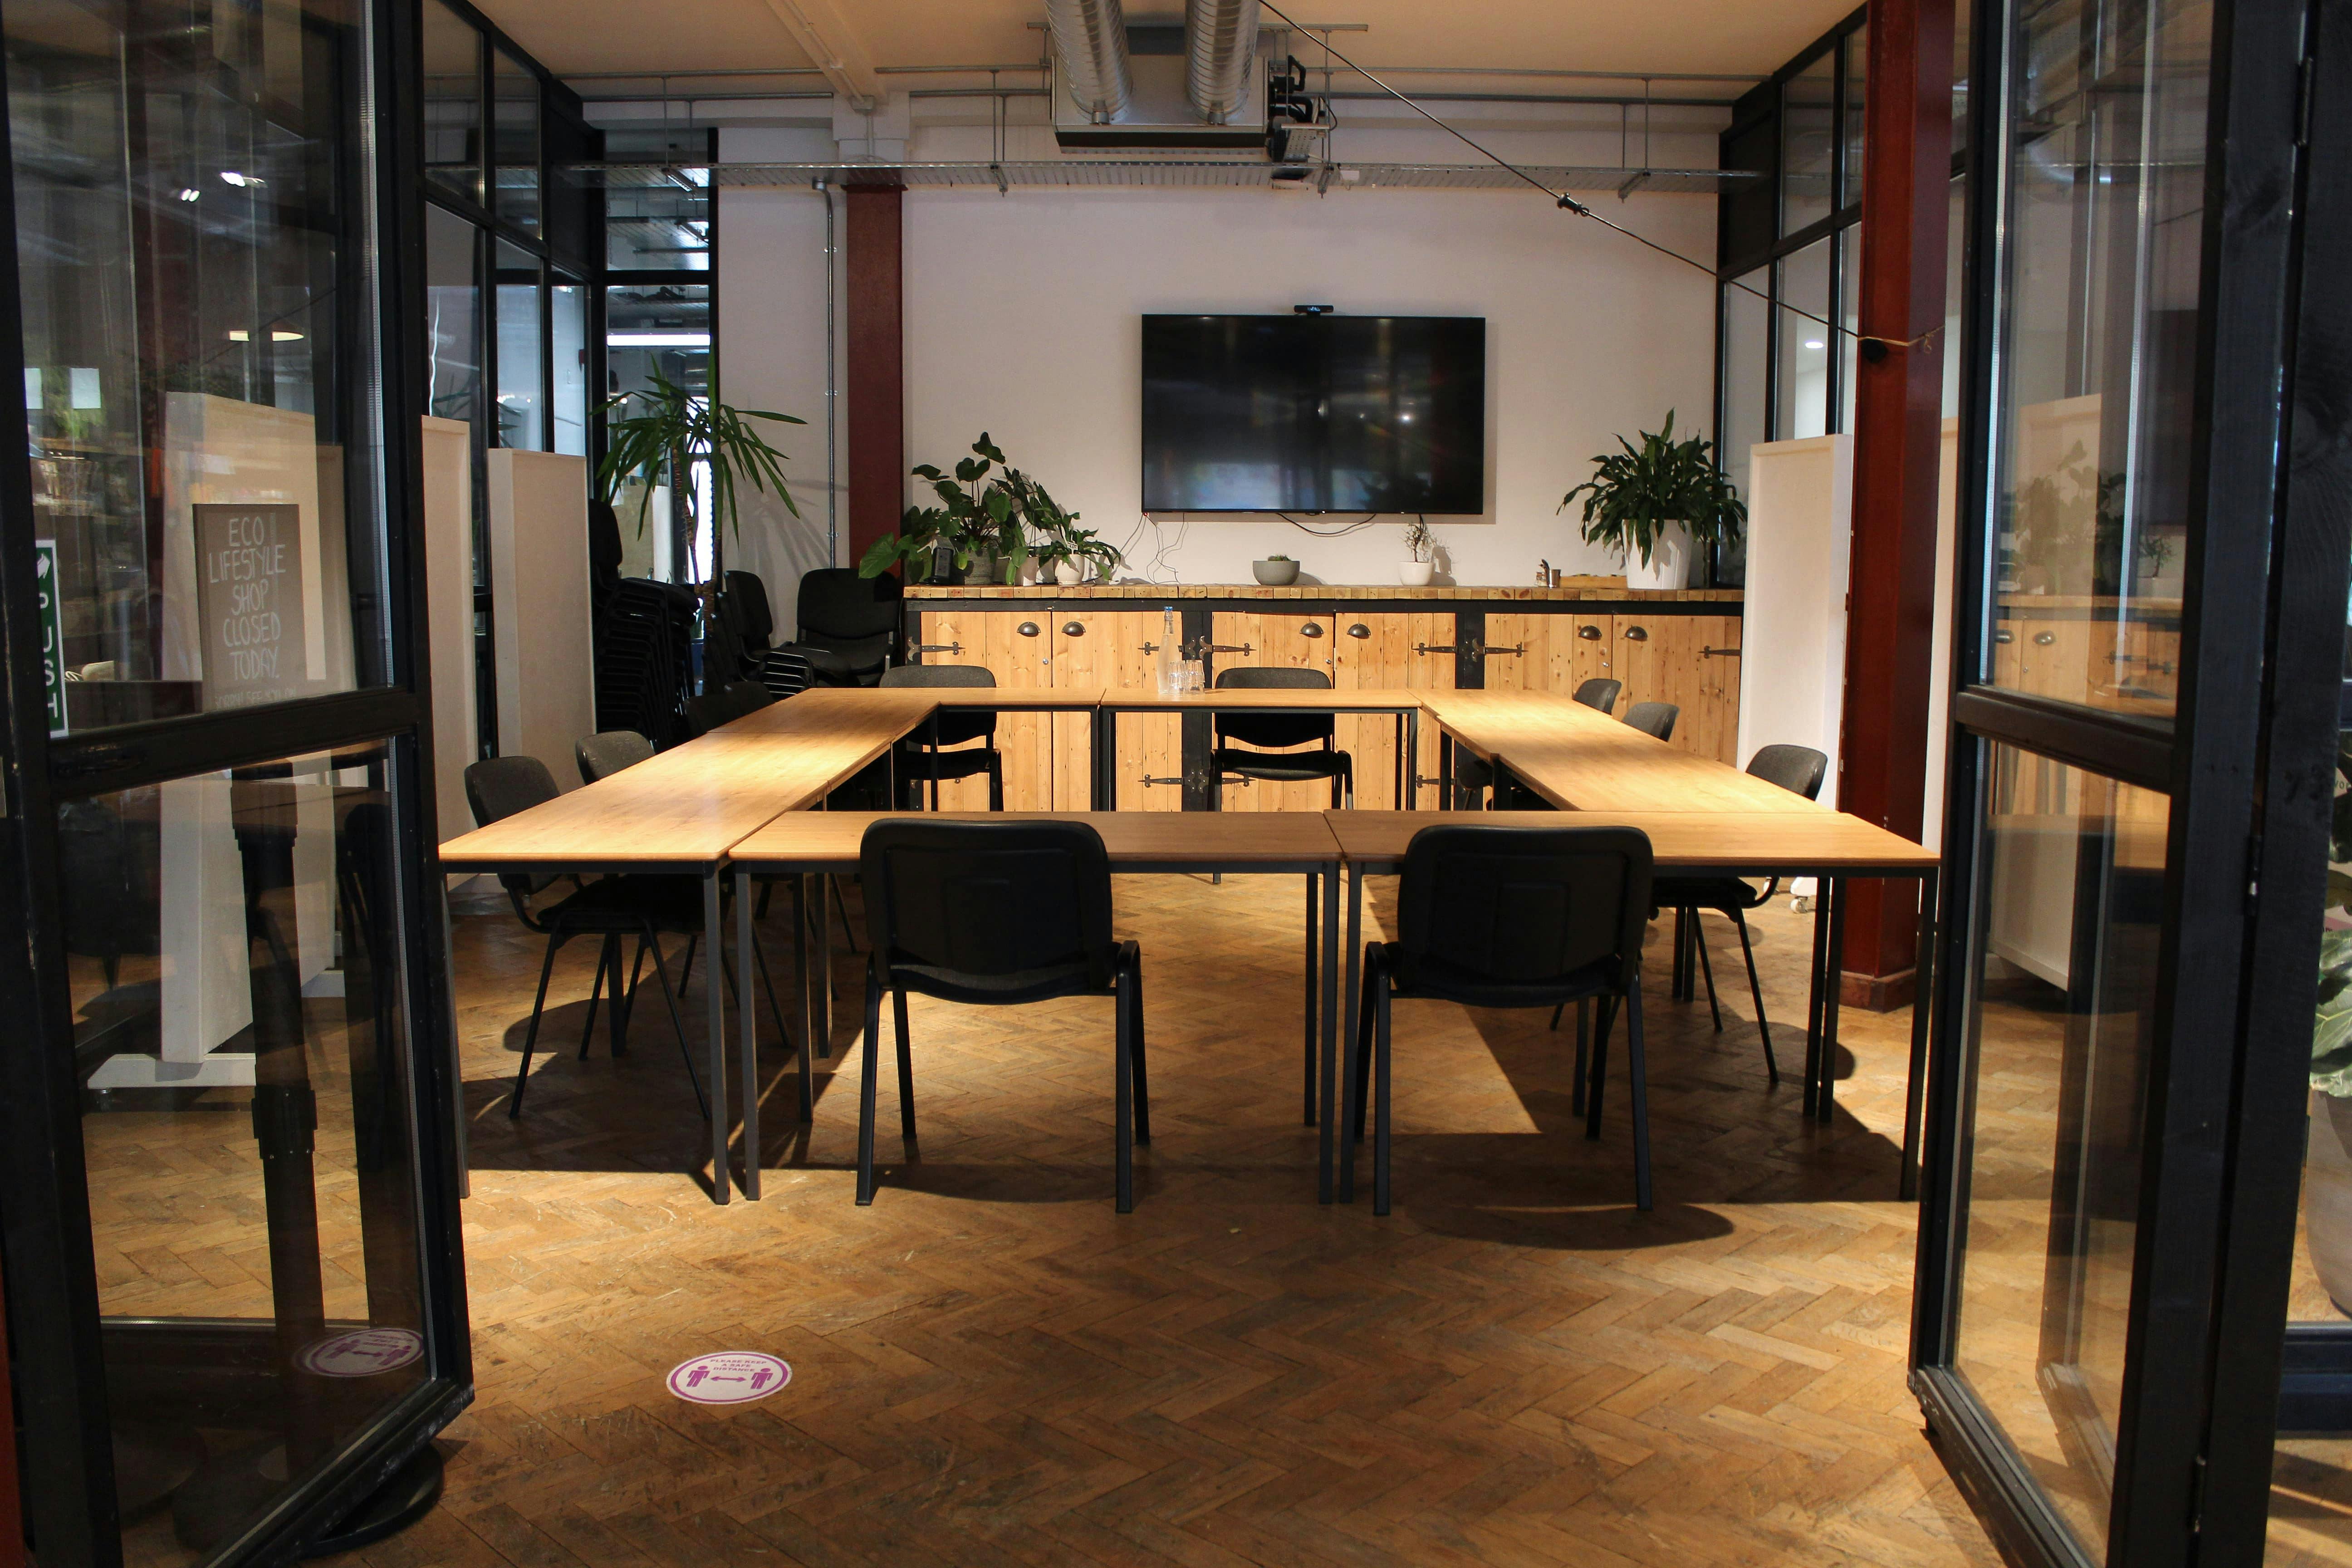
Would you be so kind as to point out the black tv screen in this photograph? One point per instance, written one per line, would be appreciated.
(1315, 414)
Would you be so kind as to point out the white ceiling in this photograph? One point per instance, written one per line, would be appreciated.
(1743, 36)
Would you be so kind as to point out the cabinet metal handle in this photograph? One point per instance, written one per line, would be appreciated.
(1210, 648)
(1637, 633)
(2043, 640)
(1718, 653)
(1073, 628)
(938, 648)
(1360, 630)
(1455, 648)
(1311, 629)
(2004, 637)
(1590, 633)
(1027, 628)
(1489, 652)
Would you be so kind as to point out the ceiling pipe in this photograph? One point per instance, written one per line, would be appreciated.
(1091, 37)
(1220, 46)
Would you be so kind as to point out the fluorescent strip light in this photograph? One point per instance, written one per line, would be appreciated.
(658, 339)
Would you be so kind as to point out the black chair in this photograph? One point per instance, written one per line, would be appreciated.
(724, 706)
(1798, 769)
(1511, 917)
(645, 907)
(996, 914)
(1269, 731)
(849, 625)
(1600, 692)
(922, 755)
(1654, 719)
(607, 751)
(755, 621)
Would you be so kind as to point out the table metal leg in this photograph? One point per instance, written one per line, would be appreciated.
(1330, 875)
(714, 985)
(1833, 983)
(1410, 799)
(1813, 992)
(1350, 1031)
(1314, 949)
(1446, 801)
(821, 971)
(747, 1020)
(1923, 997)
(1103, 738)
(808, 998)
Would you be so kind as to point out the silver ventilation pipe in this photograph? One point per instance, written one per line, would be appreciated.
(832, 394)
(1220, 47)
(1091, 37)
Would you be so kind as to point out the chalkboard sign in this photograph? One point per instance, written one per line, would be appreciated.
(249, 597)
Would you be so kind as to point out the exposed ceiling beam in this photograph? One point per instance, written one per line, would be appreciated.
(816, 25)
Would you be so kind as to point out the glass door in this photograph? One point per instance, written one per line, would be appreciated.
(235, 1293)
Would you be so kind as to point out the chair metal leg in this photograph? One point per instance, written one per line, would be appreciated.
(906, 1067)
(1142, 1080)
(1123, 1112)
(623, 1006)
(1608, 1011)
(1314, 957)
(1638, 1074)
(865, 1088)
(1557, 1008)
(996, 778)
(1356, 1074)
(1706, 968)
(686, 969)
(848, 931)
(1576, 1095)
(1755, 989)
(1360, 1071)
(530, 1036)
(767, 982)
(608, 957)
(1381, 1104)
(661, 973)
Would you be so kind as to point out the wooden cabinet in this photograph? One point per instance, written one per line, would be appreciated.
(1016, 651)
(1118, 649)
(1387, 651)
(1273, 639)
(1691, 661)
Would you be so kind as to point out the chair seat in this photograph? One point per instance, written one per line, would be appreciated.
(1435, 979)
(624, 903)
(830, 665)
(1076, 978)
(1724, 893)
(920, 762)
(1280, 767)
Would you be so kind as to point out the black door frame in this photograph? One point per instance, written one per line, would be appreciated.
(45, 1220)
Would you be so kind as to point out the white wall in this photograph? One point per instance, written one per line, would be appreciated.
(1021, 320)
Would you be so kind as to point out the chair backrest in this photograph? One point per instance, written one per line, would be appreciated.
(951, 727)
(498, 787)
(1273, 729)
(1654, 719)
(1600, 692)
(1521, 907)
(607, 751)
(1798, 769)
(755, 622)
(853, 618)
(988, 900)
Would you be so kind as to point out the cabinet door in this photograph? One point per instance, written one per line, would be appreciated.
(994, 641)
(1518, 653)
(1717, 735)
(1273, 639)
(1634, 642)
(1107, 648)
(1384, 652)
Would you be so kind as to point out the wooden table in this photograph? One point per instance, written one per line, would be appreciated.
(823, 843)
(1828, 845)
(1305, 701)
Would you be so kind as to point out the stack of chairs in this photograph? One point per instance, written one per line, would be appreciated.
(644, 659)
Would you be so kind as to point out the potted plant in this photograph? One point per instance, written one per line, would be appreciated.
(1421, 554)
(2327, 1168)
(1070, 553)
(1656, 502)
(1274, 570)
(973, 533)
(674, 429)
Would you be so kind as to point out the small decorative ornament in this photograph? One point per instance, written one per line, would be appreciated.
(362, 1353)
(729, 1377)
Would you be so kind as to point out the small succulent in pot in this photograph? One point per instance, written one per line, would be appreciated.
(1420, 544)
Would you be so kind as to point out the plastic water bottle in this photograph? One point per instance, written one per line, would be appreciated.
(1169, 661)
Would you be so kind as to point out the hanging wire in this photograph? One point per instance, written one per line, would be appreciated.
(1570, 204)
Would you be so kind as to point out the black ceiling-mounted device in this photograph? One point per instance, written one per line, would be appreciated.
(1311, 310)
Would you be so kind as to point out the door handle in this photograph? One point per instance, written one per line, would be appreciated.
(1073, 628)
(1718, 653)
(1027, 628)
(1437, 648)
(1488, 652)
(2004, 637)
(1311, 629)
(1360, 630)
(938, 648)
(1637, 633)
(1588, 633)
(2043, 640)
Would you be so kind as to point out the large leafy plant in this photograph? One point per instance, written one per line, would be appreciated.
(2331, 1028)
(1635, 494)
(987, 509)
(654, 434)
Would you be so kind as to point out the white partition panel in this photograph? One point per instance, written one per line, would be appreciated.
(539, 605)
(449, 614)
(1792, 644)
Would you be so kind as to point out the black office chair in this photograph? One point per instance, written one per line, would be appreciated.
(996, 914)
(607, 751)
(1269, 731)
(1654, 719)
(1800, 770)
(1600, 692)
(922, 755)
(645, 907)
(755, 622)
(1511, 917)
(849, 625)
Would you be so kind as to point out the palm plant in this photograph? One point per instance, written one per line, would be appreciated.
(1636, 494)
(676, 429)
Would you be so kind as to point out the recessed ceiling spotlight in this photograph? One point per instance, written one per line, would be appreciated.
(232, 177)
(190, 193)
(1812, 342)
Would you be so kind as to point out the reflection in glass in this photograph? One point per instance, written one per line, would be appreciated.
(568, 364)
(181, 276)
(1747, 381)
(2096, 340)
(453, 348)
(1849, 319)
(234, 956)
(452, 102)
(1809, 133)
(662, 330)
(522, 400)
(1804, 376)
(657, 219)
(514, 154)
(2060, 1039)
(1857, 85)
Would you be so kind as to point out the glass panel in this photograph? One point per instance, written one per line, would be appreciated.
(452, 302)
(184, 277)
(657, 220)
(2071, 901)
(1808, 144)
(1849, 316)
(1747, 378)
(1857, 83)
(452, 102)
(2096, 337)
(234, 948)
(568, 356)
(515, 150)
(1804, 373)
(522, 398)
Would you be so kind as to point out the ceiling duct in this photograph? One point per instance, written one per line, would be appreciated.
(1220, 55)
(1090, 40)
(1159, 59)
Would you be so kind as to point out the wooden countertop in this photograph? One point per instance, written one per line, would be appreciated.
(1582, 760)
(829, 840)
(1605, 589)
(1758, 844)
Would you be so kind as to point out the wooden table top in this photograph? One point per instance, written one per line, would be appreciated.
(829, 840)
(1008, 697)
(1755, 844)
(1322, 699)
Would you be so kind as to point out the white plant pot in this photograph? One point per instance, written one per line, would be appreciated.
(1416, 574)
(2327, 1198)
(1669, 564)
(1069, 573)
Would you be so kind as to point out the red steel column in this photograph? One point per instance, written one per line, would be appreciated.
(876, 379)
(1899, 420)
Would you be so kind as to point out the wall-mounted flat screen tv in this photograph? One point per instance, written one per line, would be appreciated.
(1315, 414)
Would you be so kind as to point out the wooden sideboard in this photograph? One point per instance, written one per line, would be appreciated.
(1681, 648)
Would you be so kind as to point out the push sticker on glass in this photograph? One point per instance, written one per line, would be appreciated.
(362, 1353)
(729, 1377)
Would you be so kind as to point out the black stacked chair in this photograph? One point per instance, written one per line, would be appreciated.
(607, 751)
(996, 914)
(755, 621)
(1654, 719)
(1511, 917)
(643, 659)
(922, 755)
(1600, 692)
(1268, 732)
(647, 908)
(1798, 769)
(849, 625)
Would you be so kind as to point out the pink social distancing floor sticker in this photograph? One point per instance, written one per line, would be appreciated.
(729, 1377)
